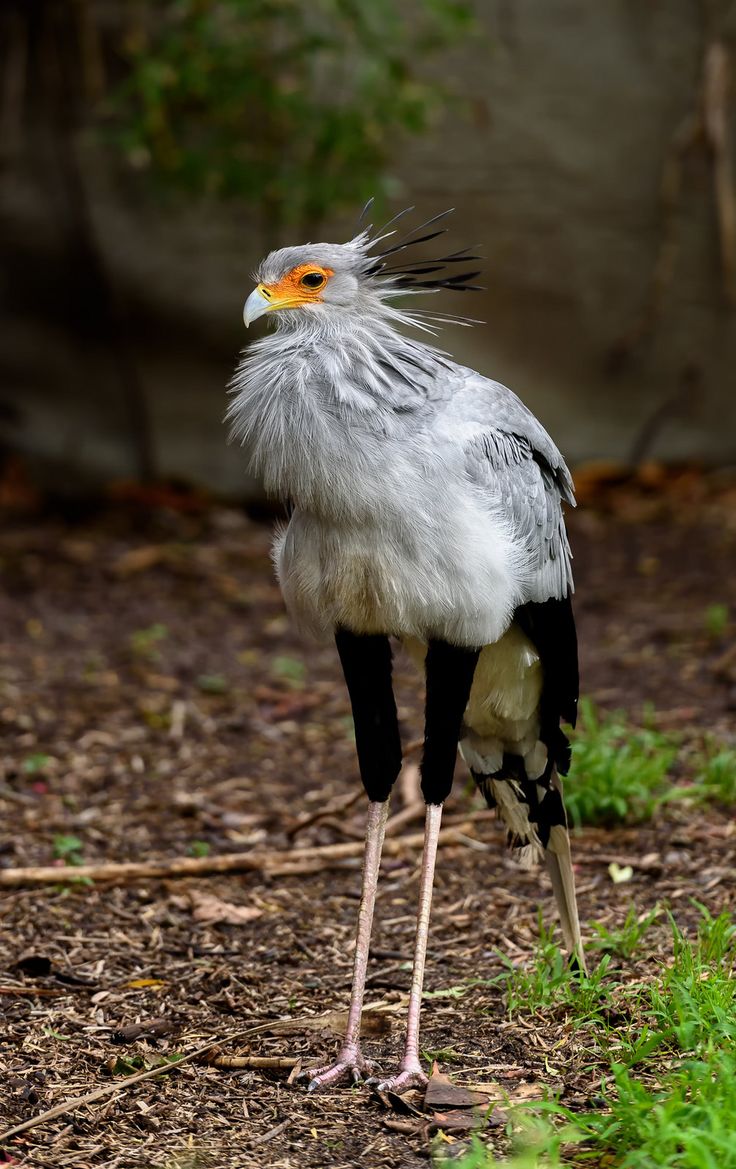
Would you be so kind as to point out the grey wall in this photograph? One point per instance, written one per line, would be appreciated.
(554, 165)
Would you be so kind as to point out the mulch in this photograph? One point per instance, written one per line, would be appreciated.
(156, 704)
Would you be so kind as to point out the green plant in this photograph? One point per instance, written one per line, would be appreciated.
(537, 1143)
(687, 1122)
(682, 1115)
(619, 773)
(68, 849)
(143, 642)
(213, 684)
(716, 620)
(694, 1004)
(35, 763)
(290, 669)
(550, 983)
(715, 777)
(292, 107)
(624, 940)
(199, 848)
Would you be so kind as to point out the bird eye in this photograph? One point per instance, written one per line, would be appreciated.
(312, 280)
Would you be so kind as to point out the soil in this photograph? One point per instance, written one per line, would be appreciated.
(155, 703)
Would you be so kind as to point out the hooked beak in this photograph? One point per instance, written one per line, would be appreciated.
(258, 303)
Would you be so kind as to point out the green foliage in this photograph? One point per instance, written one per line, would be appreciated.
(550, 983)
(199, 848)
(619, 773)
(694, 1004)
(69, 849)
(623, 941)
(686, 1123)
(716, 620)
(290, 106)
(290, 669)
(715, 777)
(213, 684)
(143, 642)
(537, 1144)
(35, 763)
(686, 1119)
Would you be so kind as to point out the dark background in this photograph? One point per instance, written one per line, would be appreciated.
(151, 154)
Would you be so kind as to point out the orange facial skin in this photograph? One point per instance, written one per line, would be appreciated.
(291, 291)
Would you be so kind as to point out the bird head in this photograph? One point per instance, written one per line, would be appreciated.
(325, 281)
(321, 278)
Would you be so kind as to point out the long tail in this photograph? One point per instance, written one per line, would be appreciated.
(534, 814)
(559, 866)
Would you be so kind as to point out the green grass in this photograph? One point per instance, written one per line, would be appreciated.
(716, 619)
(619, 773)
(667, 1067)
(69, 849)
(549, 984)
(715, 776)
(693, 1004)
(623, 941)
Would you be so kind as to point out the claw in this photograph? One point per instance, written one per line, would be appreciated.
(349, 1066)
(407, 1077)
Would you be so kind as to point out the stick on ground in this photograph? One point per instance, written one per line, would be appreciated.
(238, 862)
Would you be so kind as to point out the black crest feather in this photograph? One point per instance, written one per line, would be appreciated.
(405, 272)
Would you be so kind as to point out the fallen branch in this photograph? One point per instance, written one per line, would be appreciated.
(266, 861)
(280, 1063)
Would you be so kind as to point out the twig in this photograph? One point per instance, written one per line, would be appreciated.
(272, 1132)
(413, 811)
(265, 861)
(608, 858)
(339, 805)
(408, 784)
(689, 388)
(279, 1063)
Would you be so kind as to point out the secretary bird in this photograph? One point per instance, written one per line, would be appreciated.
(426, 506)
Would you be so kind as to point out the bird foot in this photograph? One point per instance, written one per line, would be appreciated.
(409, 1075)
(351, 1066)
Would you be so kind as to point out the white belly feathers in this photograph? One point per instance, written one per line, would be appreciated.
(458, 580)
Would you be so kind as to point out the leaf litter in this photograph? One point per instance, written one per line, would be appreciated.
(136, 760)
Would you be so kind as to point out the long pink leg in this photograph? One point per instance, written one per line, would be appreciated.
(350, 1063)
(410, 1074)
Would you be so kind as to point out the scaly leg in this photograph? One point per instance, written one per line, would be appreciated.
(449, 672)
(366, 663)
(410, 1074)
(350, 1063)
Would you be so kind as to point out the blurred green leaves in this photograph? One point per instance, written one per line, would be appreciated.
(294, 108)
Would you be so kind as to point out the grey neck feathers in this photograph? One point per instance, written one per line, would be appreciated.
(319, 401)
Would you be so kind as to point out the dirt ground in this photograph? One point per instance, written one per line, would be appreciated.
(155, 703)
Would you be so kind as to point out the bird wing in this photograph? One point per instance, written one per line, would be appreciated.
(516, 462)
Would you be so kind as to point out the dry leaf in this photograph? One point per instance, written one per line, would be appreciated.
(457, 1120)
(442, 1093)
(375, 1021)
(620, 873)
(407, 1125)
(533, 1091)
(210, 910)
(152, 1028)
(137, 560)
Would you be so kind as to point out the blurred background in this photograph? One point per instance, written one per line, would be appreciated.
(153, 152)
